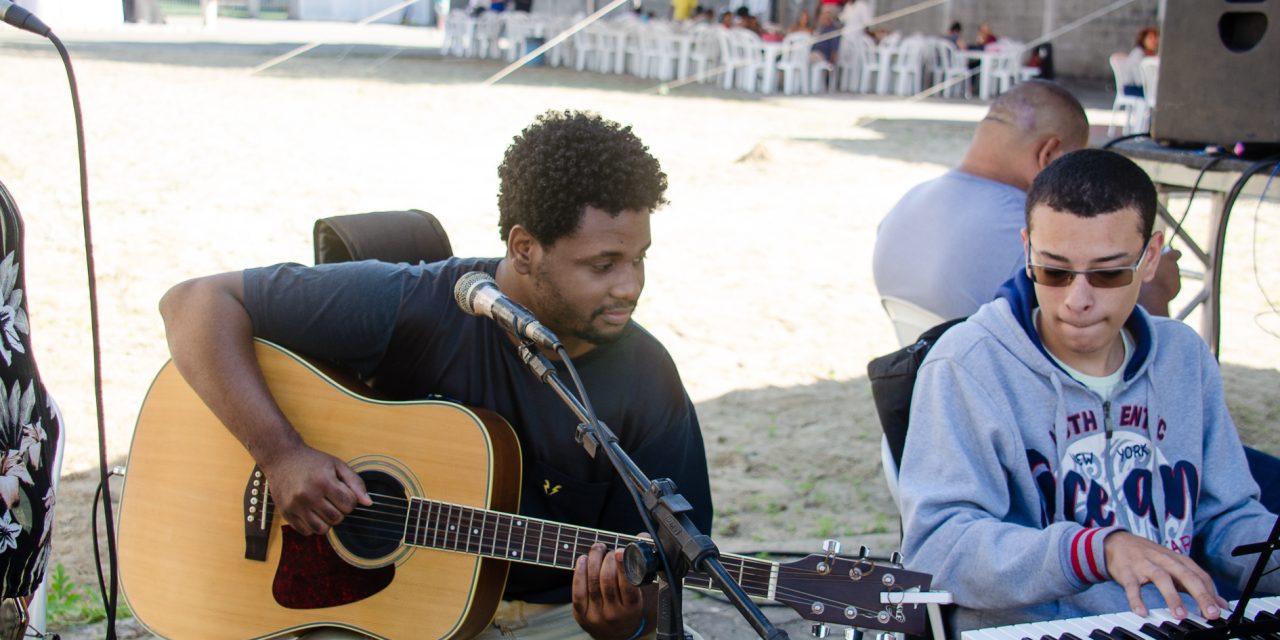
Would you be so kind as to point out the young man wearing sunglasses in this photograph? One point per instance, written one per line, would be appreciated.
(1067, 450)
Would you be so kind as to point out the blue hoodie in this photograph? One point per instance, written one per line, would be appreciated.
(1014, 472)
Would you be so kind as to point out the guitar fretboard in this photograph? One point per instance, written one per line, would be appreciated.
(492, 534)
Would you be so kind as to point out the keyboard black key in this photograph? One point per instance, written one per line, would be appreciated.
(1099, 634)
(1125, 634)
(1155, 632)
(1192, 625)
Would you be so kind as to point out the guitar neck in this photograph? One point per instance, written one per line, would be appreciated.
(492, 534)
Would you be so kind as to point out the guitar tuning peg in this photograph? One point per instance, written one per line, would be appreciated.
(863, 552)
(831, 547)
(852, 634)
(896, 558)
(819, 630)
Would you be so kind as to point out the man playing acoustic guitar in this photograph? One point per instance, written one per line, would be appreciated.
(575, 199)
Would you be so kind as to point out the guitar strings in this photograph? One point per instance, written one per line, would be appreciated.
(387, 517)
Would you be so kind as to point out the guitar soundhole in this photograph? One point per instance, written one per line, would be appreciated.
(376, 531)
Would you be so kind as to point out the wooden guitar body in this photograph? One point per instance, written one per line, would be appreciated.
(190, 513)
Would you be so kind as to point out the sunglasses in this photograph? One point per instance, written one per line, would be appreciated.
(1104, 278)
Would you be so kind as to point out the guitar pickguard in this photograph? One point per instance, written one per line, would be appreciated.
(312, 576)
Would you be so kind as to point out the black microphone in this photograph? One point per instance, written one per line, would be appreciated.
(477, 294)
(22, 19)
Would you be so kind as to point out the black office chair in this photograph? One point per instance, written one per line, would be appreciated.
(390, 236)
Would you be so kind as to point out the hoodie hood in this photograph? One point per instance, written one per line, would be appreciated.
(1020, 293)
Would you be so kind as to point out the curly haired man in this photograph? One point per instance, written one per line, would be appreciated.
(576, 195)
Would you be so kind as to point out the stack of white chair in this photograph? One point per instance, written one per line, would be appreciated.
(705, 53)
(1133, 108)
(487, 42)
(517, 32)
(612, 39)
(586, 46)
(659, 52)
(459, 31)
(561, 55)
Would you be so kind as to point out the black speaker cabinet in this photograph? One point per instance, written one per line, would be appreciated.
(1219, 80)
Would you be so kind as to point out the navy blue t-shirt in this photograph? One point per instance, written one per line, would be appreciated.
(398, 328)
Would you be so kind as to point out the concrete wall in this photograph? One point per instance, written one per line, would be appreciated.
(1080, 53)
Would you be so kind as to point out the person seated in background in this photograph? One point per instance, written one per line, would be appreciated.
(949, 243)
(1147, 44)
(1067, 450)
(826, 49)
(802, 24)
(953, 35)
(985, 37)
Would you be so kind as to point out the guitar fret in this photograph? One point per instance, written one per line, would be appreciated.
(411, 530)
(506, 550)
(473, 533)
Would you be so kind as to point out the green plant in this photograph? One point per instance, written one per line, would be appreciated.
(69, 605)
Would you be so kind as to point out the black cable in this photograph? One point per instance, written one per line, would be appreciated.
(108, 595)
(1114, 141)
(1195, 187)
(1257, 277)
(1221, 241)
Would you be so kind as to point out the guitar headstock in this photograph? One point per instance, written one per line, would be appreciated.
(846, 591)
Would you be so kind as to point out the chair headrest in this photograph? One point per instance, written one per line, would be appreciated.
(390, 236)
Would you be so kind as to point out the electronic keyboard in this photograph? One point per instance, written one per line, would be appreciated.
(1262, 615)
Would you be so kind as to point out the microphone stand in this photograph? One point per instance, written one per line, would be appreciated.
(677, 535)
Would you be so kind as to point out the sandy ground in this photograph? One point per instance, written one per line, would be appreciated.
(759, 280)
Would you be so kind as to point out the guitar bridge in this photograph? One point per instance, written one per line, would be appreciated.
(257, 516)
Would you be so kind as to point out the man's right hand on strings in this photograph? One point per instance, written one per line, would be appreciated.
(312, 489)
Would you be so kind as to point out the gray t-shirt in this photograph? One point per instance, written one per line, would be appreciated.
(950, 243)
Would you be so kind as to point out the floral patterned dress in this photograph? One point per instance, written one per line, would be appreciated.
(30, 428)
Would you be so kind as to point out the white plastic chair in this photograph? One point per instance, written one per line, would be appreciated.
(868, 64)
(846, 70)
(909, 66)
(794, 64)
(909, 319)
(1150, 66)
(1007, 69)
(728, 57)
(951, 67)
(750, 55)
(1133, 108)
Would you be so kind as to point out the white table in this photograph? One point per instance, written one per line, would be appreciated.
(985, 60)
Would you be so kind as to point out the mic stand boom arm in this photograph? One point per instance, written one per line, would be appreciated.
(677, 535)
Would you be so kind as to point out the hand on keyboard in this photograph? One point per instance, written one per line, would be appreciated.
(1133, 561)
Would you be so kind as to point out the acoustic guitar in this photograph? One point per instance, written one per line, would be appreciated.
(202, 554)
